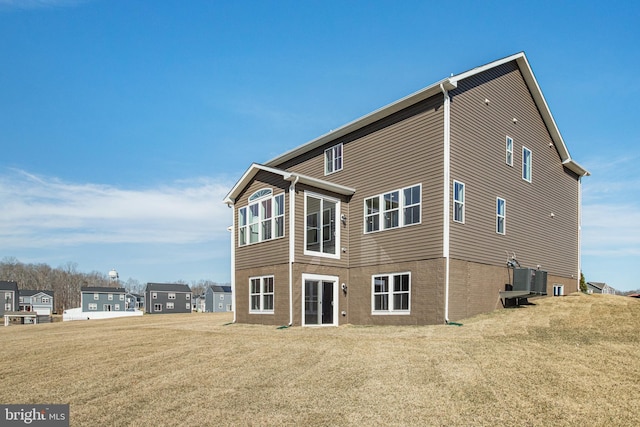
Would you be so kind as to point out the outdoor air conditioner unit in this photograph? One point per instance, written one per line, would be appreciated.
(530, 280)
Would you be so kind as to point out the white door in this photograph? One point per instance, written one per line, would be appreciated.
(319, 300)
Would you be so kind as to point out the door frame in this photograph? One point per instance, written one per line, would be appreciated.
(321, 278)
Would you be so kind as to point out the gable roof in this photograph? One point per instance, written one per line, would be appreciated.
(167, 287)
(448, 83)
(103, 289)
(287, 176)
(31, 292)
(220, 288)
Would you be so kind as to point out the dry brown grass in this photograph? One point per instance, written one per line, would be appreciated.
(565, 361)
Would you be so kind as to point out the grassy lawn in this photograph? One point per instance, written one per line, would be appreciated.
(573, 360)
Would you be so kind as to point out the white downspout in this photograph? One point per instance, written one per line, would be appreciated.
(447, 175)
(292, 241)
(232, 230)
(579, 232)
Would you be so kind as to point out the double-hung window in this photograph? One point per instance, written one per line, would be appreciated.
(509, 151)
(391, 293)
(321, 231)
(501, 216)
(261, 294)
(333, 159)
(458, 202)
(397, 208)
(172, 295)
(262, 219)
(526, 164)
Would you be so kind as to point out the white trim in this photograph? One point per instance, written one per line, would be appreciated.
(401, 207)
(390, 312)
(503, 216)
(333, 159)
(338, 246)
(233, 265)
(447, 195)
(262, 294)
(463, 202)
(321, 278)
(292, 243)
(507, 160)
(530, 165)
(579, 233)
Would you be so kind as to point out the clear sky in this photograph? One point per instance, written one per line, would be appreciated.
(124, 123)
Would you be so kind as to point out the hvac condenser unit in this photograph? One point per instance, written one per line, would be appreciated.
(530, 280)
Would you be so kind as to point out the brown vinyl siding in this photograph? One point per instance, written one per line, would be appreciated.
(478, 132)
(280, 316)
(398, 151)
(269, 252)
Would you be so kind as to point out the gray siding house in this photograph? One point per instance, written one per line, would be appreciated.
(218, 299)
(40, 302)
(410, 214)
(99, 298)
(167, 298)
(600, 288)
(9, 293)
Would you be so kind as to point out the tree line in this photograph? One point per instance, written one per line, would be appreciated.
(66, 281)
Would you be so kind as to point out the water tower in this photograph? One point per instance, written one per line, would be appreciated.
(113, 275)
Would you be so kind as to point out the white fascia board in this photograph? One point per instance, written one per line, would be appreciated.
(246, 178)
(322, 184)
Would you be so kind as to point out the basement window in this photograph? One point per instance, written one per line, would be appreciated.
(391, 293)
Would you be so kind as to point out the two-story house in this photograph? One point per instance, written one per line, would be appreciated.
(9, 293)
(167, 298)
(409, 214)
(217, 298)
(102, 298)
(40, 302)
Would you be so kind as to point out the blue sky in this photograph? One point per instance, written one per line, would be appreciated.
(123, 124)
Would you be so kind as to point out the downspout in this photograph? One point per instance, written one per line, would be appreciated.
(232, 230)
(447, 175)
(292, 241)
(579, 232)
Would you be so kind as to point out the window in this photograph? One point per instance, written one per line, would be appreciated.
(458, 202)
(154, 295)
(333, 159)
(398, 208)
(262, 220)
(391, 293)
(106, 307)
(321, 233)
(501, 216)
(169, 306)
(117, 307)
(172, 295)
(93, 306)
(526, 164)
(261, 294)
(21, 299)
(157, 307)
(558, 290)
(221, 297)
(188, 297)
(509, 150)
(46, 300)
(110, 297)
(187, 306)
(121, 297)
(96, 296)
(220, 305)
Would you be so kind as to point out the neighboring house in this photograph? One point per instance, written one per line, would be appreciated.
(600, 288)
(198, 303)
(99, 298)
(10, 298)
(40, 302)
(218, 298)
(407, 215)
(167, 298)
(135, 301)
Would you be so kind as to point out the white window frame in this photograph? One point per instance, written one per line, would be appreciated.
(321, 226)
(333, 159)
(121, 297)
(558, 290)
(92, 306)
(170, 305)
(116, 307)
(157, 307)
(261, 294)
(110, 297)
(390, 293)
(187, 306)
(269, 214)
(384, 211)
(171, 295)
(509, 151)
(188, 297)
(458, 201)
(527, 166)
(501, 216)
(96, 296)
(154, 295)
